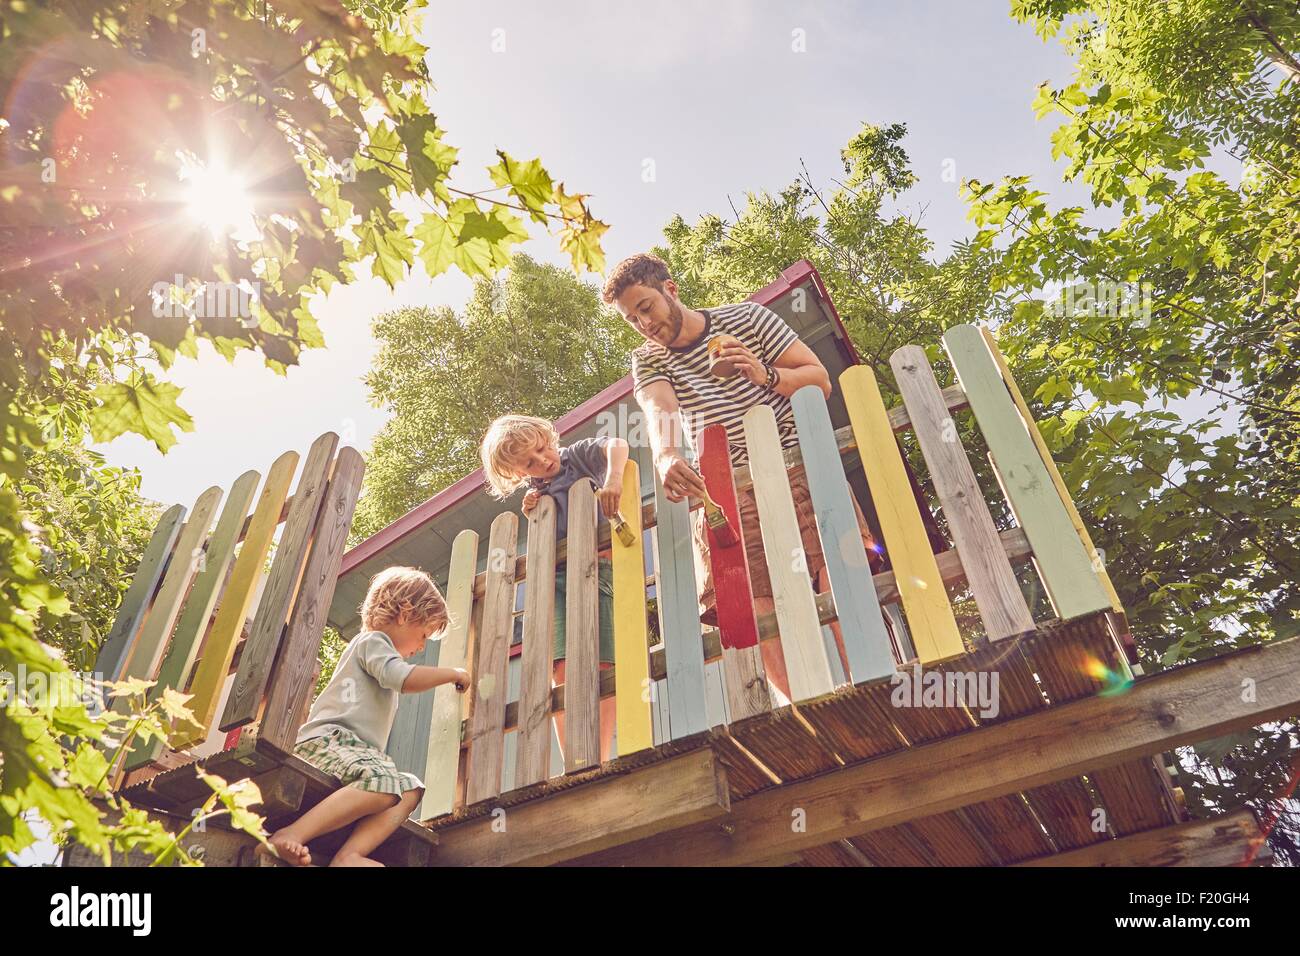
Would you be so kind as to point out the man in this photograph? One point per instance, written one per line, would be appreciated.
(670, 373)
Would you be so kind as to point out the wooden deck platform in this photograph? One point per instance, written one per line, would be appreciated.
(289, 785)
(1069, 771)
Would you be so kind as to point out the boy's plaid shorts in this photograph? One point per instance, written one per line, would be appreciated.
(343, 754)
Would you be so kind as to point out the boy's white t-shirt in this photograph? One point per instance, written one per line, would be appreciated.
(363, 694)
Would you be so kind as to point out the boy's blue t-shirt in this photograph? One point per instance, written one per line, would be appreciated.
(363, 693)
(585, 458)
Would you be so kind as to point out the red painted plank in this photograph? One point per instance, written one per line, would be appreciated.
(737, 626)
(744, 676)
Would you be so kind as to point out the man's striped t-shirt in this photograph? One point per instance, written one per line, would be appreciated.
(705, 399)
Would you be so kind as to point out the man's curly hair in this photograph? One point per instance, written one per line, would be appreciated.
(644, 268)
(403, 595)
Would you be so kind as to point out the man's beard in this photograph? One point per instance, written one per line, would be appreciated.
(675, 319)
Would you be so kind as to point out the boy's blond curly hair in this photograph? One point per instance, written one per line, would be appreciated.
(506, 440)
(399, 595)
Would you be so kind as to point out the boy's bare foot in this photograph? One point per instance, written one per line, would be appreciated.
(287, 849)
(354, 859)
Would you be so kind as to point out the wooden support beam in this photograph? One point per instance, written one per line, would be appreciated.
(661, 797)
(282, 792)
(1222, 841)
(1178, 707)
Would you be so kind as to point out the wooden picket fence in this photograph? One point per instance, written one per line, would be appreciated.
(466, 736)
(183, 621)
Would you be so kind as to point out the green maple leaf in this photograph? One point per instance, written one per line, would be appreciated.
(582, 243)
(174, 704)
(140, 405)
(338, 208)
(87, 768)
(483, 245)
(384, 146)
(392, 248)
(529, 182)
(368, 192)
(429, 158)
(437, 237)
(402, 45)
(309, 332)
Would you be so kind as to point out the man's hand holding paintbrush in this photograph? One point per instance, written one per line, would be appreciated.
(682, 481)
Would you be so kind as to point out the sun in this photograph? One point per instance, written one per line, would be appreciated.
(217, 198)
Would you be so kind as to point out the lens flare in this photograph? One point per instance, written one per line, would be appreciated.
(1112, 682)
(217, 197)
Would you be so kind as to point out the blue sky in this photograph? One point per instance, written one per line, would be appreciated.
(717, 95)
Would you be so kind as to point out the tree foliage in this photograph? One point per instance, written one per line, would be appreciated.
(93, 523)
(1174, 405)
(133, 133)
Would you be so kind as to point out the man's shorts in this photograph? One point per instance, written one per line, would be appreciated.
(760, 582)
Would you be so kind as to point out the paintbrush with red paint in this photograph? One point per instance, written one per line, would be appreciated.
(721, 527)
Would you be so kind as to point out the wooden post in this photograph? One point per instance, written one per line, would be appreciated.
(679, 617)
(992, 582)
(118, 645)
(443, 760)
(291, 681)
(582, 634)
(787, 567)
(1065, 567)
(920, 585)
(177, 665)
(147, 652)
(258, 655)
(486, 737)
(1045, 454)
(533, 744)
(862, 626)
(241, 590)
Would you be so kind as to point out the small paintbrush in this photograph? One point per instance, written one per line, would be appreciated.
(623, 530)
(718, 522)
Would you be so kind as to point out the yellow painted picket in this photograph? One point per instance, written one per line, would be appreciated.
(631, 648)
(219, 649)
(920, 585)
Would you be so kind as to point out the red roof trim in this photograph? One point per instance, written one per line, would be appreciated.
(454, 493)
